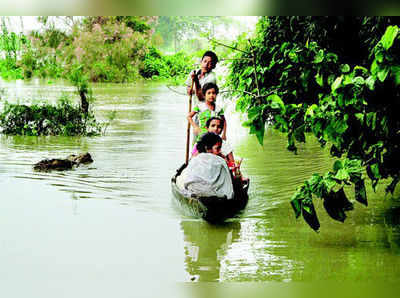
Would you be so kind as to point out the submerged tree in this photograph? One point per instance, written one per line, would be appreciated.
(337, 78)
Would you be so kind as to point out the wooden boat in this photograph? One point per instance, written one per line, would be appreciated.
(212, 209)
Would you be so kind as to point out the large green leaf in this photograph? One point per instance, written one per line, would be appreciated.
(309, 214)
(379, 55)
(254, 112)
(382, 73)
(374, 68)
(370, 82)
(389, 36)
(375, 170)
(345, 68)
(337, 165)
(310, 111)
(276, 102)
(319, 57)
(249, 81)
(336, 84)
(340, 126)
(342, 174)
(260, 135)
(319, 79)
(296, 204)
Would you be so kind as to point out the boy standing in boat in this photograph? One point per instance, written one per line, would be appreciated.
(203, 75)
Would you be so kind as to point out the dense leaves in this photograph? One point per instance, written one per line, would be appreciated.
(157, 65)
(334, 77)
(46, 119)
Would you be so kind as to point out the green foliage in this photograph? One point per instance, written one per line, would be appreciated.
(9, 71)
(36, 55)
(10, 45)
(156, 65)
(43, 55)
(64, 118)
(314, 77)
(110, 49)
(79, 79)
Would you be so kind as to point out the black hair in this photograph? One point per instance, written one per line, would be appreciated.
(213, 56)
(207, 141)
(214, 118)
(209, 86)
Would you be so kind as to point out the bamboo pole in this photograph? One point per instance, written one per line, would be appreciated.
(188, 126)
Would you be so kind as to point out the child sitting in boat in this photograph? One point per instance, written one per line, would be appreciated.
(216, 125)
(205, 110)
(207, 174)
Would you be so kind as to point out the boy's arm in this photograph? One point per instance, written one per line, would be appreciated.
(199, 92)
(196, 128)
(223, 135)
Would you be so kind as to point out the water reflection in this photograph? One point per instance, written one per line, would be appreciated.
(206, 246)
(392, 225)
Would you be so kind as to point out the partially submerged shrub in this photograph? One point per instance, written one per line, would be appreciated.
(64, 118)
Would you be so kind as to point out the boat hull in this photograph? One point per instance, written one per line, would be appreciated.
(212, 209)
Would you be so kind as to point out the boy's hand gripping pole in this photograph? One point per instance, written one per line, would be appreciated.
(188, 126)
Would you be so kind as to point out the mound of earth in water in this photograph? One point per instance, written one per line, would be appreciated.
(72, 160)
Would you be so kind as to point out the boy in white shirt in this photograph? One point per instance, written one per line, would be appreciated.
(203, 75)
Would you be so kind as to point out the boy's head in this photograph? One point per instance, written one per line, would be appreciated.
(208, 86)
(210, 91)
(209, 61)
(215, 125)
(210, 143)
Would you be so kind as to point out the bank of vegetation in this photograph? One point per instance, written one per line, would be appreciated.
(336, 79)
(117, 49)
(109, 49)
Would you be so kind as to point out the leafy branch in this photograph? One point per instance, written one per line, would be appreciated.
(319, 85)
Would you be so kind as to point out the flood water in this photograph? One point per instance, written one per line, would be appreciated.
(113, 224)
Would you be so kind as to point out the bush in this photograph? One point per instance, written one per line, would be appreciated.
(9, 71)
(64, 118)
(168, 66)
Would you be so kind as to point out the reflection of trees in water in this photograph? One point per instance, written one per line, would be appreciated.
(42, 143)
(392, 225)
(205, 247)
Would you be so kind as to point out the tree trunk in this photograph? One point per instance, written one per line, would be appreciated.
(84, 103)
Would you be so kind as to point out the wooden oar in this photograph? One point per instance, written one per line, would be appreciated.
(188, 127)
